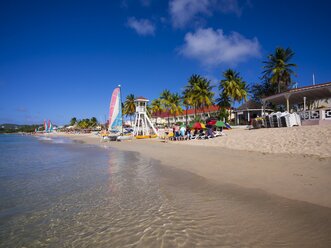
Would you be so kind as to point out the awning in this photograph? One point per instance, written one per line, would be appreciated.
(295, 96)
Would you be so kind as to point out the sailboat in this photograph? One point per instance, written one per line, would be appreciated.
(50, 126)
(116, 117)
(115, 112)
(45, 126)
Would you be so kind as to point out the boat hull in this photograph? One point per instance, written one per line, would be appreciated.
(128, 137)
(146, 136)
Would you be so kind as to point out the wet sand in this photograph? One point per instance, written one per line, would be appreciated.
(294, 176)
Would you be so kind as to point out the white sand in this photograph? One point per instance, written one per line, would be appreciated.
(308, 140)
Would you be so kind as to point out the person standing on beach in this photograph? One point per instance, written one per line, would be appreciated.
(166, 134)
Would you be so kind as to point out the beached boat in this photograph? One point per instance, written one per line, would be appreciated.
(146, 136)
(124, 137)
(115, 115)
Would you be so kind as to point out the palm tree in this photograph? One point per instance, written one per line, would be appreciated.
(190, 93)
(203, 95)
(129, 106)
(243, 91)
(156, 107)
(73, 121)
(165, 101)
(187, 102)
(233, 87)
(175, 107)
(93, 122)
(223, 103)
(278, 70)
(84, 123)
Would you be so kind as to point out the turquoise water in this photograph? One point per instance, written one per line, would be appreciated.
(58, 193)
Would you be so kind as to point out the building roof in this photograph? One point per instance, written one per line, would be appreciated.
(250, 105)
(165, 114)
(312, 92)
(141, 98)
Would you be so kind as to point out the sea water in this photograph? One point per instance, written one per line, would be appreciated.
(58, 193)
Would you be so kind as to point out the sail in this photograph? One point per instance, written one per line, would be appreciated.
(45, 126)
(115, 111)
(50, 126)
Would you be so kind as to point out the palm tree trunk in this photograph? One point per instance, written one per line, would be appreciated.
(278, 86)
(168, 119)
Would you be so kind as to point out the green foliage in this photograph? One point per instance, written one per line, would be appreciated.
(223, 101)
(198, 93)
(223, 114)
(165, 102)
(86, 123)
(233, 86)
(196, 119)
(156, 106)
(129, 107)
(261, 90)
(175, 108)
(93, 122)
(278, 70)
(13, 128)
(73, 121)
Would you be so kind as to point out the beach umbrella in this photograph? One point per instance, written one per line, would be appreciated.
(198, 125)
(220, 124)
(212, 122)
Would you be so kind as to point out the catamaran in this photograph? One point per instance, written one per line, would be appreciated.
(45, 126)
(50, 126)
(115, 127)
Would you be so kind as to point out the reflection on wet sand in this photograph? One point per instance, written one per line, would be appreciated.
(160, 205)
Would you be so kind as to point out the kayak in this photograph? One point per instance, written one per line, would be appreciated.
(146, 136)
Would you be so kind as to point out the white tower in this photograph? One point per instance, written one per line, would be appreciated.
(142, 124)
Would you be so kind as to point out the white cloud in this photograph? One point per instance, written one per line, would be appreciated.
(184, 11)
(142, 26)
(214, 47)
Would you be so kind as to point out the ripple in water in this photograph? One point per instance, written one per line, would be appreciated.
(79, 196)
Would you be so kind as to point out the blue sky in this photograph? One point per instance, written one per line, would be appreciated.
(60, 59)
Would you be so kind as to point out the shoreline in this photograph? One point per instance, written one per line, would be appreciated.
(297, 177)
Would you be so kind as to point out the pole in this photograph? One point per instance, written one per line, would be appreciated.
(304, 104)
(121, 107)
(313, 79)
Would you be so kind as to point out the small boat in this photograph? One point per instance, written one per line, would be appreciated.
(146, 136)
(115, 115)
(124, 137)
(112, 137)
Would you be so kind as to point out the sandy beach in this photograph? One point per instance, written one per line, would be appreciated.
(294, 163)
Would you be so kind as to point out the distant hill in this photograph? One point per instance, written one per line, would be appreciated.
(13, 128)
(9, 126)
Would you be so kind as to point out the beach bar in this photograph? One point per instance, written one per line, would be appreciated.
(312, 103)
(245, 113)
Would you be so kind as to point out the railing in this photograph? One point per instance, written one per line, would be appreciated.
(140, 109)
(316, 114)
